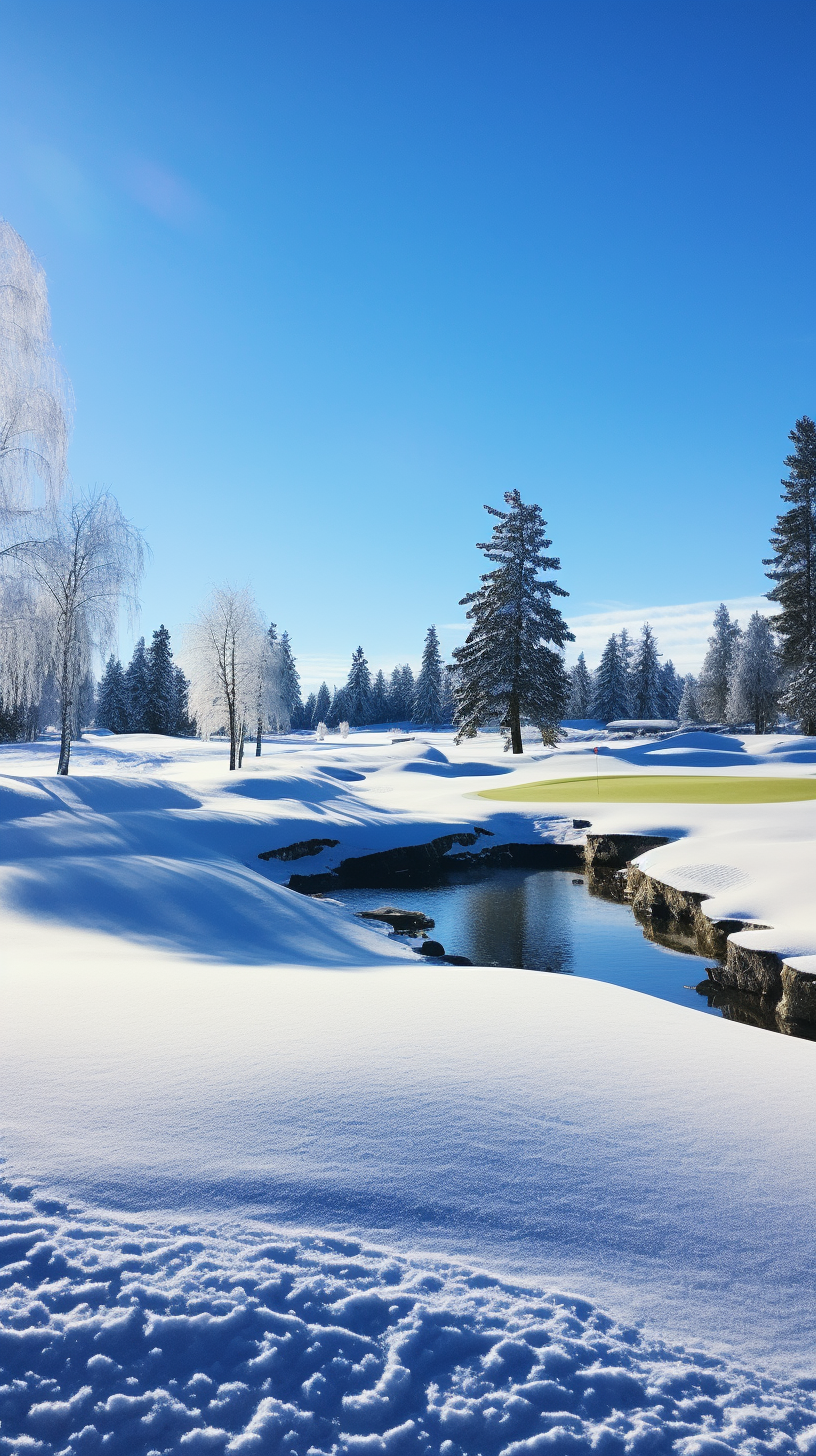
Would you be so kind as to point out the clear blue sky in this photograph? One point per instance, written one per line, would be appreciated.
(329, 274)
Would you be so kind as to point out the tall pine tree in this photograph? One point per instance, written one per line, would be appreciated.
(357, 692)
(137, 686)
(754, 688)
(689, 709)
(290, 682)
(161, 685)
(427, 705)
(793, 572)
(508, 672)
(111, 698)
(645, 677)
(581, 693)
(715, 676)
(670, 691)
(611, 700)
(379, 699)
(322, 705)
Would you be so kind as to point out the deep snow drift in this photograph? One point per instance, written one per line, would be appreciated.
(207, 1055)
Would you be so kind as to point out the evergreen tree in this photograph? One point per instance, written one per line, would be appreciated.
(448, 699)
(754, 688)
(407, 688)
(161, 712)
(427, 704)
(337, 710)
(645, 677)
(793, 572)
(689, 709)
(322, 705)
(800, 698)
(379, 699)
(627, 652)
(290, 682)
(715, 677)
(581, 691)
(401, 693)
(111, 699)
(357, 692)
(184, 726)
(137, 687)
(308, 710)
(507, 671)
(611, 701)
(670, 691)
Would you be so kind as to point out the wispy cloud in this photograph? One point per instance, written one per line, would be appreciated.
(682, 631)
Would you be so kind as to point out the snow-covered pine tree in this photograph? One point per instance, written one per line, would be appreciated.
(689, 709)
(718, 664)
(322, 705)
(137, 687)
(793, 572)
(508, 673)
(290, 682)
(308, 710)
(357, 692)
(581, 692)
(645, 677)
(408, 687)
(111, 698)
(184, 726)
(611, 700)
(448, 700)
(427, 704)
(670, 690)
(379, 699)
(627, 650)
(337, 709)
(754, 689)
(161, 689)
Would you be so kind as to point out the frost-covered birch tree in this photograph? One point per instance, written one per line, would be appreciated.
(35, 396)
(91, 560)
(271, 706)
(221, 654)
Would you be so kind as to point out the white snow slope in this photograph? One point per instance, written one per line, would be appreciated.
(259, 1157)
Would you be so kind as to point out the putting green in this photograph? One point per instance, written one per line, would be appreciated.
(657, 789)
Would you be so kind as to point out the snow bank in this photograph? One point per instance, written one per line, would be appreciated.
(138, 1337)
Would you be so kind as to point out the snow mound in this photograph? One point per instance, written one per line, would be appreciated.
(149, 1339)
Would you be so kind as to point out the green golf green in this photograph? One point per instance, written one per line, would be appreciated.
(657, 789)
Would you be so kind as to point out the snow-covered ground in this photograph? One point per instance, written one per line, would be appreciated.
(273, 1183)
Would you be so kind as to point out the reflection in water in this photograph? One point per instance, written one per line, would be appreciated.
(546, 921)
(563, 922)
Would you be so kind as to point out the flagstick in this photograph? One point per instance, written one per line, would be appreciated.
(597, 775)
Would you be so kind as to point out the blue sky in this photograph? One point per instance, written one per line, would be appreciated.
(328, 275)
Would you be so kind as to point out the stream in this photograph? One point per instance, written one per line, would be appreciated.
(551, 921)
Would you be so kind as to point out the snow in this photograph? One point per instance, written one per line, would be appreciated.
(235, 1119)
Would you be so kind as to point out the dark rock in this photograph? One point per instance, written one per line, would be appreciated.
(404, 921)
(582, 823)
(577, 882)
(613, 851)
(301, 850)
(432, 948)
(457, 961)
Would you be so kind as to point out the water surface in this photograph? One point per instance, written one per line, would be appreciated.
(544, 921)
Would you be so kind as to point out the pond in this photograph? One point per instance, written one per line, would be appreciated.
(548, 920)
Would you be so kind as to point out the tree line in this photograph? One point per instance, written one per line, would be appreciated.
(69, 561)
